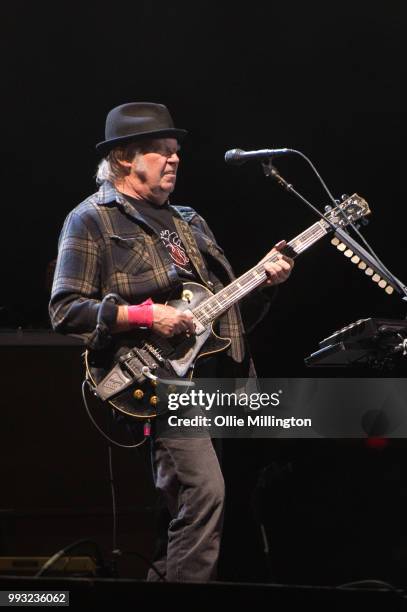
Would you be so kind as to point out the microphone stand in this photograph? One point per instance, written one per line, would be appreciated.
(271, 172)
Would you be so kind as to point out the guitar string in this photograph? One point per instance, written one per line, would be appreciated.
(307, 238)
(214, 310)
(213, 307)
(207, 311)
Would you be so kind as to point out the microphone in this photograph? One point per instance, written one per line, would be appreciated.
(238, 156)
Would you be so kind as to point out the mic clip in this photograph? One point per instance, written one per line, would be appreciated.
(271, 171)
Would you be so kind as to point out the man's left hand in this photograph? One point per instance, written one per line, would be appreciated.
(278, 271)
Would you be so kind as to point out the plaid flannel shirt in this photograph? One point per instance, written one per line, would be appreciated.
(106, 246)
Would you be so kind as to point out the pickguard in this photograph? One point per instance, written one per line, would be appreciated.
(186, 351)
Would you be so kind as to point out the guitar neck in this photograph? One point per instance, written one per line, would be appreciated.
(219, 303)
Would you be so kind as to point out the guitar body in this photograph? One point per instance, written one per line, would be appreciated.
(121, 382)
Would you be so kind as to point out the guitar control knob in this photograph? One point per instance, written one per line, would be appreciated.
(187, 295)
(138, 394)
(154, 400)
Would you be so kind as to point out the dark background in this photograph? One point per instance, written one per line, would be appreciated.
(328, 82)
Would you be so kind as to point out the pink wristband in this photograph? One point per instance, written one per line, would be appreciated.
(141, 315)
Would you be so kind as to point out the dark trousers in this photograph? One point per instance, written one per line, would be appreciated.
(189, 480)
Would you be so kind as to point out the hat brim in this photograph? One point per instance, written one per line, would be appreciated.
(107, 145)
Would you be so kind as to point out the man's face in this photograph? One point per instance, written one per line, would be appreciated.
(153, 172)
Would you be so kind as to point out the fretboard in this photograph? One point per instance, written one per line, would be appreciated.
(219, 303)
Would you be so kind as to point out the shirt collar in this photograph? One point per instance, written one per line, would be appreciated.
(108, 194)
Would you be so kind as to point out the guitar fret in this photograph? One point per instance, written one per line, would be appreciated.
(302, 242)
(220, 302)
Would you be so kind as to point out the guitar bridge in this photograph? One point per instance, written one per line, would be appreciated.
(155, 352)
(133, 358)
(114, 383)
(126, 372)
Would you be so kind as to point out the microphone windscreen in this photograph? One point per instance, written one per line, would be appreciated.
(233, 156)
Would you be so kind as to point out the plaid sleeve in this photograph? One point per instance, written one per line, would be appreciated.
(76, 291)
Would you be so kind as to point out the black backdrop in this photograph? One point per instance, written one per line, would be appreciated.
(328, 82)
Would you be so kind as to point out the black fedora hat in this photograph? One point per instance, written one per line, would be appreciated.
(135, 121)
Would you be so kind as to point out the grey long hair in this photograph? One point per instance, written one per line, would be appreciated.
(110, 168)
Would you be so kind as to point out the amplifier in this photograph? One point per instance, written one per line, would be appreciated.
(37, 337)
(29, 566)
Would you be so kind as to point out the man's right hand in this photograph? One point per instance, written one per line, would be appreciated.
(168, 321)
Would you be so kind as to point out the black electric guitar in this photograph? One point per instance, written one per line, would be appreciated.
(127, 374)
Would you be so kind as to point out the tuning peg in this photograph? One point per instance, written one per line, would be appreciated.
(382, 283)
(389, 289)
(348, 253)
(362, 265)
(335, 241)
(344, 197)
(369, 271)
(341, 247)
(376, 278)
(355, 259)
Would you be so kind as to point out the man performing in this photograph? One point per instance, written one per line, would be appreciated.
(128, 240)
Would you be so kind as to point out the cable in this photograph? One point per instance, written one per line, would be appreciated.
(331, 197)
(114, 505)
(370, 583)
(52, 560)
(102, 433)
(115, 550)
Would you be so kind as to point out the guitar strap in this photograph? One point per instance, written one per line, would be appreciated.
(194, 253)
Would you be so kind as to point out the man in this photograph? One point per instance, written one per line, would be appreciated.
(128, 240)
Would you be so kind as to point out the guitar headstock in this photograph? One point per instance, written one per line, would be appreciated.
(354, 208)
(349, 211)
